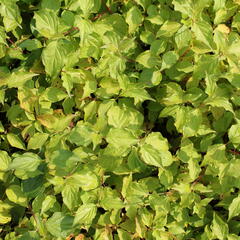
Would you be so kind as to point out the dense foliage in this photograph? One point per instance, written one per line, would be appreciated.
(120, 119)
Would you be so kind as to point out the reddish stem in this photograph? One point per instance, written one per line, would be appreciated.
(98, 16)
(234, 151)
(184, 54)
(14, 44)
(71, 30)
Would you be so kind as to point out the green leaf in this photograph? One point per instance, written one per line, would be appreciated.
(219, 227)
(64, 161)
(5, 217)
(29, 236)
(220, 102)
(5, 160)
(54, 56)
(168, 29)
(48, 203)
(110, 200)
(1, 127)
(150, 155)
(150, 78)
(157, 141)
(18, 79)
(53, 94)
(55, 122)
(11, 15)
(90, 6)
(139, 94)
(191, 8)
(144, 3)
(117, 117)
(123, 235)
(193, 122)
(47, 23)
(169, 59)
(155, 150)
(183, 37)
(68, 82)
(26, 162)
(234, 134)
(3, 36)
(184, 6)
(158, 46)
(33, 186)
(15, 141)
(204, 33)
(85, 214)
(134, 162)
(85, 179)
(60, 225)
(134, 18)
(70, 196)
(82, 135)
(194, 169)
(147, 59)
(234, 208)
(123, 117)
(15, 194)
(171, 94)
(37, 140)
(31, 44)
(52, 5)
(121, 138)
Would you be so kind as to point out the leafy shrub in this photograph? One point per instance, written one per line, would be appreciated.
(120, 119)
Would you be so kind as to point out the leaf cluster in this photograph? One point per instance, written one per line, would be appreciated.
(120, 119)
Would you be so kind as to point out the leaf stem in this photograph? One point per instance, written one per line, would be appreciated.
(71, 30)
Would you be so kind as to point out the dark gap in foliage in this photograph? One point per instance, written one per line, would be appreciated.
(17, 213)
(15, 64)
(83, 231)
(164, 126)
(101, 210)
(59, 198)
(4, 119)
(151, 171)
(42, 81)
(33, 56)
(92, 95)
(154, 173)
(123, 211)
(103, 144)
(225, 138)
(10, 95)
(57, 105)
(27, 17)
(214, 202)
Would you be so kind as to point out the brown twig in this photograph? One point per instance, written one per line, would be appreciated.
(34, 216)
(109, 10)
(129, 59)
(98, 16)
(184, 54)
(234, 151)
(14, 44)
(71, 30)
(88, 98)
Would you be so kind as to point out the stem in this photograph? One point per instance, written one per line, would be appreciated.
(71, 30)
(14, 44)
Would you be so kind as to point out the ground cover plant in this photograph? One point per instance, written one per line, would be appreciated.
(120, 119)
